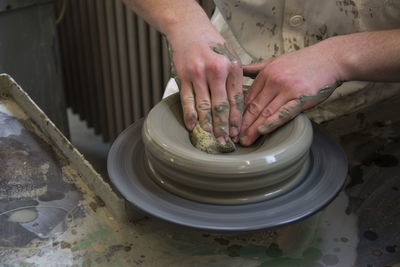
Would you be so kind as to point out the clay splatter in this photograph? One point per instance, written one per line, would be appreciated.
(391, 249)
(239, 101)
(224, 50)
(370, 235)
(291, 111)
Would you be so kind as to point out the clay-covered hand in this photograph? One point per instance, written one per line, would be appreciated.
(210, 77)
(284, 86)
(210, 74)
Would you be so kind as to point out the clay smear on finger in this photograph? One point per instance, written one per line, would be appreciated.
(239, 101)
(221, 113)
(288, 113)
(224, 50)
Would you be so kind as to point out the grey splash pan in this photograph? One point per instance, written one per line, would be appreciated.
(323, 180)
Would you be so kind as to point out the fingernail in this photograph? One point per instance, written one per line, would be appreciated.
(234, 131)
(190, 126)
(261, 128)
(221, 140)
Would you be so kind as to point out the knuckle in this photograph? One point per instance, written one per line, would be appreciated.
(253, 109)
(267, 112)
(285, 112)
(222, 107)
(277, 79)
(203, 105)
(180, 71)
(187, 99)
(196, 69)
(217, 69)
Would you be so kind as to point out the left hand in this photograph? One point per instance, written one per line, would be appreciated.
(285, 86)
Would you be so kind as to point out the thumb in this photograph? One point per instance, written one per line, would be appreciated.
(252, 70)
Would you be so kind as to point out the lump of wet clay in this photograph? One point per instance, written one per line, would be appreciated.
(206, 142)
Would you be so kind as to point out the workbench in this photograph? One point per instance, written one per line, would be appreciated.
(56, 210)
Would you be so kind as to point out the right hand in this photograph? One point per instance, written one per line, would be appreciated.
(210, 80)
(286, 85)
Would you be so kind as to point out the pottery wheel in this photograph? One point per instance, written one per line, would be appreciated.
(270, 167)
(322, 180)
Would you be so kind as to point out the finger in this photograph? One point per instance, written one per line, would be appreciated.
(254, 90)
(259, 106)
(252, 70)
(235, 97)
(203, 104)
(282, 116)
(251, 133)
(220, 104)
(188, 105)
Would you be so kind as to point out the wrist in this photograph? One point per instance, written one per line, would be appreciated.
(352, 56)
(334, 48)
(191, 21)
(194, 31)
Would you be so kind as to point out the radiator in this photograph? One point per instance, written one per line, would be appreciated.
(115, 66)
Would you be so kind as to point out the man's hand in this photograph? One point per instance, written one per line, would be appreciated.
(293, 82)
(284, 86)
(210, 78)
(208, 70)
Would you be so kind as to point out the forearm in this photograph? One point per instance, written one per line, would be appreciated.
(368, 56)
(170, 16)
